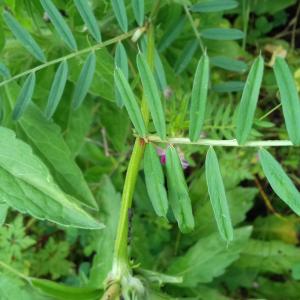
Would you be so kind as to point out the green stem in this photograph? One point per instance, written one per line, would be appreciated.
(120, 253)
(71, 55)
(121, 269)
(197, 34)
(220, 143)
(246, 13)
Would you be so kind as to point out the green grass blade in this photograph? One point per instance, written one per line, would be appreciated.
(152, 95)
(57, 89)
(214, 6)
(89, 18)
(249, 100)
(138, 10)
(129, 100)
(217, 195)
(24, 37)
(289, 99)
(121, 61)
(59, 23)
(155, 181)
(178, 192)
(120, 13)
(84, 81)
(199, 98)
(279, 181)
(24, 97)
(222, 34)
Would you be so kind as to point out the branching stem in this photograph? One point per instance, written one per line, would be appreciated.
(219, 143)
(99, 46)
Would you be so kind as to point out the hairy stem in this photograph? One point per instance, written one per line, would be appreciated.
(221, 143)
(121, 268)
(71, 55)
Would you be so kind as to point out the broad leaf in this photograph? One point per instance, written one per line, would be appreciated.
(64, 292)
(289, 99)
(46, 137)
(249, 100)
(3, 212)
(27, 186)
(24, 37)
(208, 258)
(59, 23)
(110, 201)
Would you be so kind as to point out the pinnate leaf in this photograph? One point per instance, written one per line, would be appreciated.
(57, 89)
(84, 81)
(89, 18)
(229, 64)
(120, 13)
(24, 37)
(214, 5)
(289, 99)
(249, 100)
(217, 195)
(222, 34)
(24, 97)
(178, 192)
(154, 178)
(59, 23)
(129, 100)
(121, 61)
(279, 181)
(199, 98)
(138, 10)
(152, 95)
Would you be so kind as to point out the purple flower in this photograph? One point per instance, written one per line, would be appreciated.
(162, 154)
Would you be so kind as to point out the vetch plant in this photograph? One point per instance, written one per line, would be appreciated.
(51, 166)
